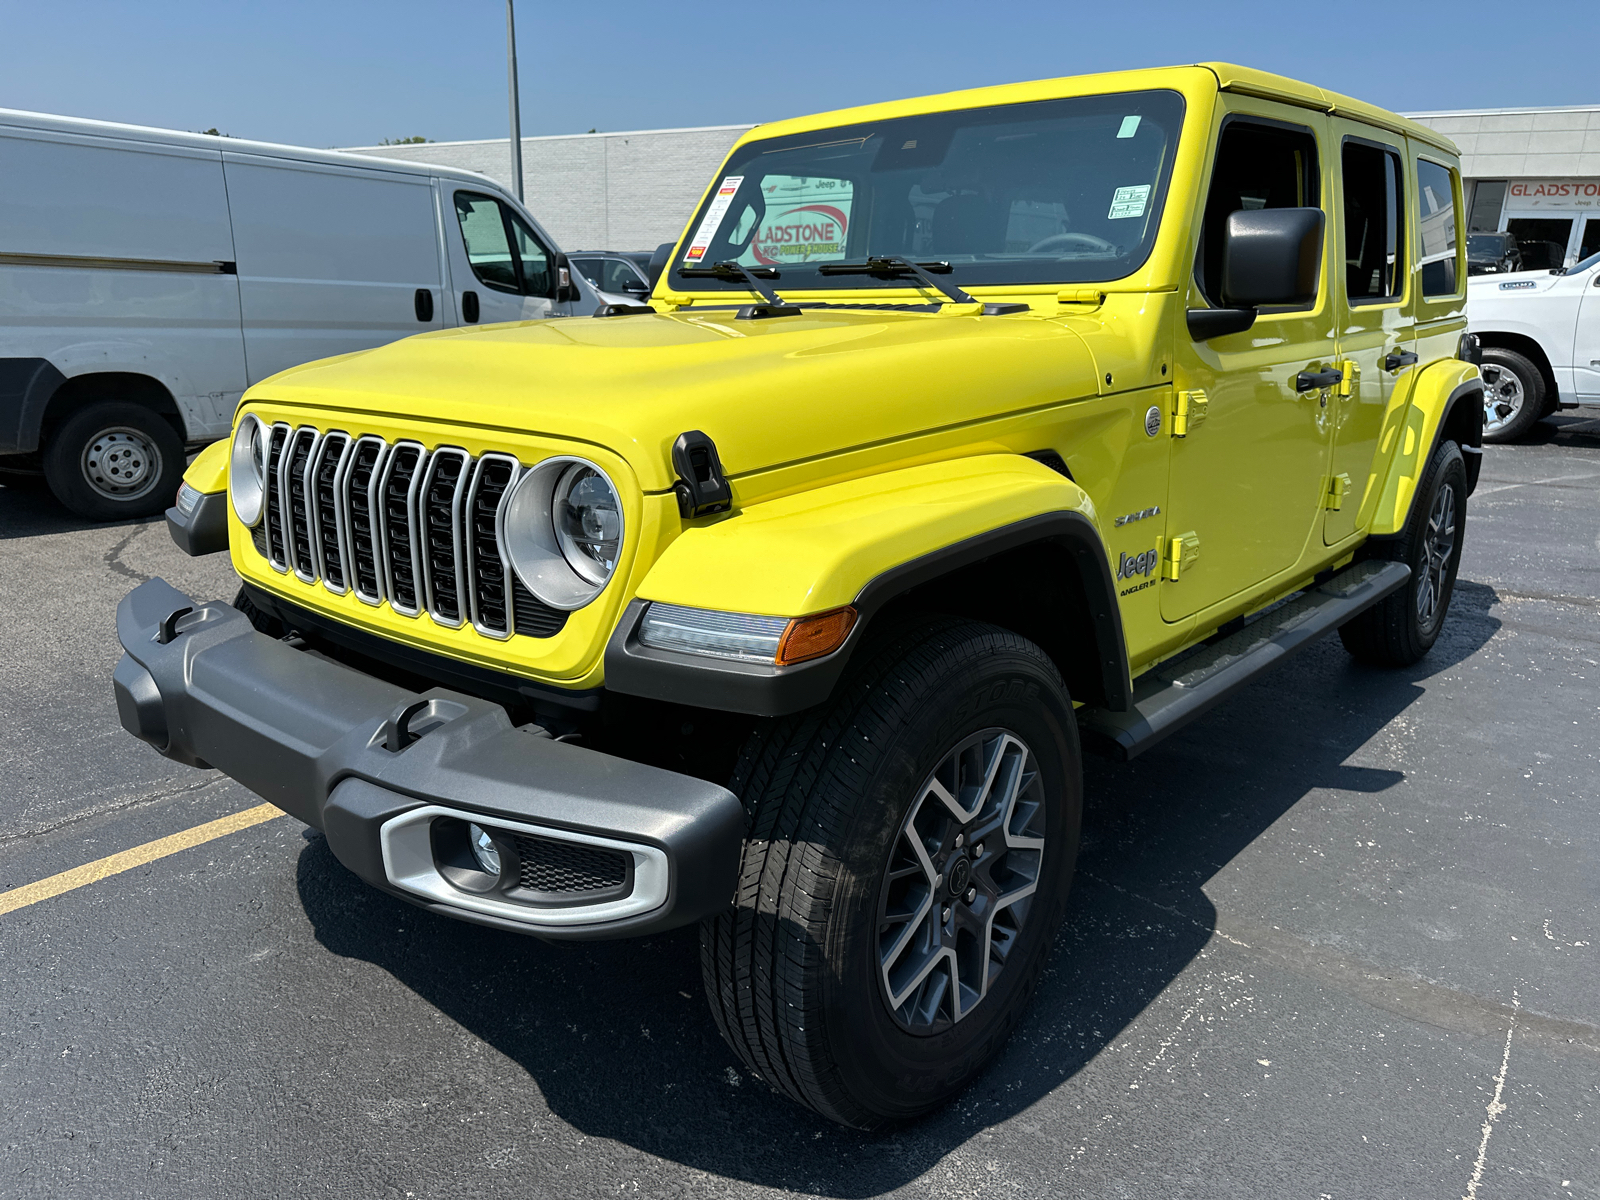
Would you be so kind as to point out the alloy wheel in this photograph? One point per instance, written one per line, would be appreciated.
(1438, 546)
(1502, 396)
(958, 888)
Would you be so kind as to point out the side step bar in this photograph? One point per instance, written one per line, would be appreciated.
(1175, 693)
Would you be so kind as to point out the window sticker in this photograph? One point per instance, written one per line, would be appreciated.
(1129, 202)
(720, 203)
(1130, 126)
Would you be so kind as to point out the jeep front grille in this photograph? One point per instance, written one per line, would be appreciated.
(398, 525)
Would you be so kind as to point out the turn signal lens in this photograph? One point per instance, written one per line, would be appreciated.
(812, 637)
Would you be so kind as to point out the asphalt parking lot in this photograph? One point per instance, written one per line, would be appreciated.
(1341, 938)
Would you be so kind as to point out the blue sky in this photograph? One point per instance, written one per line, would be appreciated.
(340, 73)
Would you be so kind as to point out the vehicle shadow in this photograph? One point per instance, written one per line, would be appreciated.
(616, 1036)
(30, 510)
(1571, 430)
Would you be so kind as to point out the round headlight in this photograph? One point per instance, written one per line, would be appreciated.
(247, 469)
(562, 531)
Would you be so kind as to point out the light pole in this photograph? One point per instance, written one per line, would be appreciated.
(516, 108)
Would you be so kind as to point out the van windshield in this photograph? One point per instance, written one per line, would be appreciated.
(1054, 191)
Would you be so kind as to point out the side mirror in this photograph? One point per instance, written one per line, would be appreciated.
(658, 262)
(1270, 256)
(566, 289)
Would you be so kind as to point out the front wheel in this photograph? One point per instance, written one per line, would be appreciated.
(115, 461)
(909, 850)
(1513, 395)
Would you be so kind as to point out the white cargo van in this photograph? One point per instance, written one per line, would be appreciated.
(147, 277)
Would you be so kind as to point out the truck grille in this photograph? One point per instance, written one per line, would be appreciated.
(398, 525)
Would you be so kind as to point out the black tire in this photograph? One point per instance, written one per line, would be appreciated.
(1517, 398)
(1400, 629)
(792, 972)
(115, 461)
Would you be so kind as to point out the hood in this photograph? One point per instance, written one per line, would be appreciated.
(1510, 283)
(768, 392)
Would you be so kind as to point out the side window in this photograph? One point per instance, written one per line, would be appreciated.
(488, 248)
(622, 276)
(589, 268)
(1438, 224)
(504, 253)
(1258, 166)
(1372, 208)
(537, 277)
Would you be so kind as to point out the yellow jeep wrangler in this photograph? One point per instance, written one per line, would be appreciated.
(959, 433)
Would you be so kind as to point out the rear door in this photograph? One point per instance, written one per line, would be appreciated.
(1377, 331)
(331, 258)
(1246, 484)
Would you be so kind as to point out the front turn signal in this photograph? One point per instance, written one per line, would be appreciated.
(812, 637)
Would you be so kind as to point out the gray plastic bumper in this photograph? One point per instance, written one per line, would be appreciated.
(204, 530)
(372, 765)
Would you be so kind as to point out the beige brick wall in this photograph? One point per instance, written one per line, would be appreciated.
(600, 191)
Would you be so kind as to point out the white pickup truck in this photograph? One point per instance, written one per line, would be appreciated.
(1540, 333)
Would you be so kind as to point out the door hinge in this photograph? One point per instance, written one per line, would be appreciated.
(1182, 551)
(1338, 489)
(1188, 412)
(1350, 374)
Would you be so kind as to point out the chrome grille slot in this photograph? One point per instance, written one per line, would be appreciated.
(398, 526)
(487, 568)
(327, 514)
(276, 554)
(397, 523)
(293, 478)
(358, 497)
(439, 518)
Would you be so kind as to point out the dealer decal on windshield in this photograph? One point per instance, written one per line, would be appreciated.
(1129, 202)
(720, 204)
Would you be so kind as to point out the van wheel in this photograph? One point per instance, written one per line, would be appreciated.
(909, 849)
(113, 461)
(1401, 628)
(1513, 395)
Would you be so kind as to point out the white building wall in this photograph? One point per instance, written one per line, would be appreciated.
(1522, 143)
(597, 191)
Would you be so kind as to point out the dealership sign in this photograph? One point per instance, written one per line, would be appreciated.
(1553, 193)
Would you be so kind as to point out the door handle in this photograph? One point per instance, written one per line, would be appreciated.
(1308, 380)
(1401, 358)
(469, 307)
(423, 303)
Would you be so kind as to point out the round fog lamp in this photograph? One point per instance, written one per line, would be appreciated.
(483, 849)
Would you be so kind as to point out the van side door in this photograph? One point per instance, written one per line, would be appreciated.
(1246, 484)
(1376, 327)
(500, 268)
(331, 258)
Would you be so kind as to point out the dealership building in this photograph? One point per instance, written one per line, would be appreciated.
(596, 191)
(1532, 171)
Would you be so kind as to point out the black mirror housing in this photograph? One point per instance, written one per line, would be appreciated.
(658, 262)
(1271, 256)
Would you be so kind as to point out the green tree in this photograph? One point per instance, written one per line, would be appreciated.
(410, 141)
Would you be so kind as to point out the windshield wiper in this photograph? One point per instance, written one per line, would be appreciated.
(729, 269)
(892, 265)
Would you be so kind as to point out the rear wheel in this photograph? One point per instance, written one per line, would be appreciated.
(1513, 395)
(909, 851)
(1400, 629)
(114, 461)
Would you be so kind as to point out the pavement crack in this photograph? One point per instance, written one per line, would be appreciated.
(1495, 1107)
(113, 556)
(105, 810)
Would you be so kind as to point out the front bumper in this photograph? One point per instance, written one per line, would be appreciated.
(374, 766)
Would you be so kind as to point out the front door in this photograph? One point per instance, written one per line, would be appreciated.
(1247, 482)
(499, 268)
(1377, 333)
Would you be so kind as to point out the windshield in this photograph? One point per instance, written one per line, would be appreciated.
(1054, 191)
(1486, 243)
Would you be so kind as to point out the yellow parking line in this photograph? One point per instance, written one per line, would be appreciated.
(126, 860)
